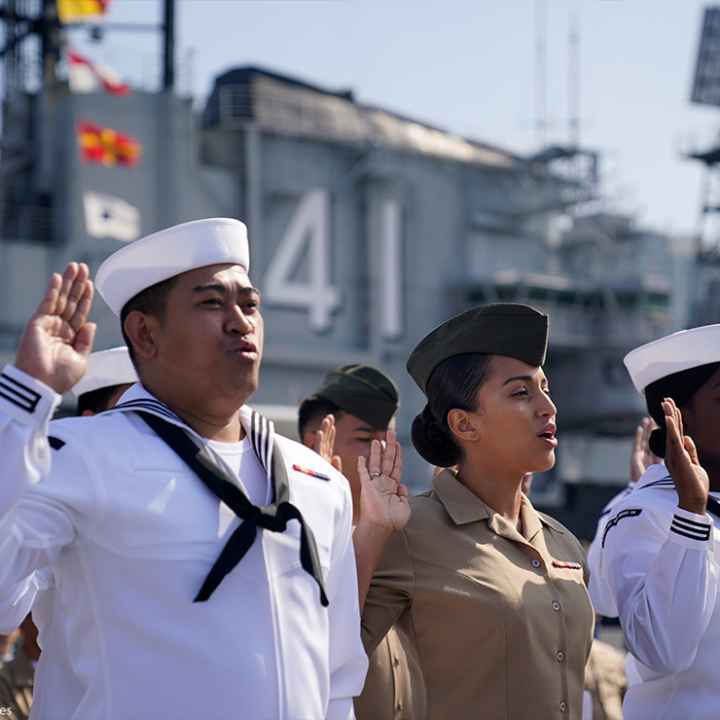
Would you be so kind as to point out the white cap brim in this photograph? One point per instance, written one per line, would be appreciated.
(165, 254)
(674, 353)
(107, 368)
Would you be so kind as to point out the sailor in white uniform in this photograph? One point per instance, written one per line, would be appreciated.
(661, 543)
(190, 546)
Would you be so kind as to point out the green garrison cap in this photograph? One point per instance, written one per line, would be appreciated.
(517, 331)
(363, 391)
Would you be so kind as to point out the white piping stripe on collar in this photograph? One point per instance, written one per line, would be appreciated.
(262, 433)
(259, 429)
(156, 407)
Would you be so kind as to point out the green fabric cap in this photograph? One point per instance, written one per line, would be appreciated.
(363, 391)
(517, 331)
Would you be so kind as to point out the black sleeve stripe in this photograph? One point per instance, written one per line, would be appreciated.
(18, 394)
(693, 531)
(55, 442)
(691, 523)
(690, 535)
(630, 512)
(27, 406)
(690, 529)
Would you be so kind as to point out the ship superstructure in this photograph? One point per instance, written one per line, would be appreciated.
(367, 228)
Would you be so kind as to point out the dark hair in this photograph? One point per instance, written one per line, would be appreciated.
(454, 383)
(681, 387)
(313, 408)
(151, 301)
(96, 401)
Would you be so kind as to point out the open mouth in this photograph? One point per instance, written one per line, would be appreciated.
(245, 348)
(549, 436)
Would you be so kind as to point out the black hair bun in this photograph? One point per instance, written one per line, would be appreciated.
(657, 441)
(433, 442)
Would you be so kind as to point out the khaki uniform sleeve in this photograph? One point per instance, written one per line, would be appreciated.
(390, 593)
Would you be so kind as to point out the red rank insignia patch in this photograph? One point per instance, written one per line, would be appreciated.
(312, 473)
(567, 565)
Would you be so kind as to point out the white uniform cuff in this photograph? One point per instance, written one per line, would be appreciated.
(690, 529)
(25, 399)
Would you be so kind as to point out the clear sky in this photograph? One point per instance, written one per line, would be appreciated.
(470, 66)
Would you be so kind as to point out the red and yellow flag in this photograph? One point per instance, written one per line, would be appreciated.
(79, 10)
(106, 146)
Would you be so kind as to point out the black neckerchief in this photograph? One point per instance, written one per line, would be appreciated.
(215, 476)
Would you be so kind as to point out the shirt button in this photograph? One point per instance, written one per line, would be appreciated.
(535, 563)
(398, 707)
(563, 706)
(560, 655)
(556, 606)
(396, 662)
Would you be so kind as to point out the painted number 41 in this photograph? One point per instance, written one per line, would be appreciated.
(308, 232)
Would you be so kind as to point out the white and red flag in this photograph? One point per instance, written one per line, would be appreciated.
(86, 76)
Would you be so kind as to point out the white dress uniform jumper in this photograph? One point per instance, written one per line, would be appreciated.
(660, 564)
(131, 534)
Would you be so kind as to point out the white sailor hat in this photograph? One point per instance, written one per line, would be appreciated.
(105, 369)
(162, 255)
(674, 353)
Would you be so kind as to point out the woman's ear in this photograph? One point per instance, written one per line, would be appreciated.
(141, 332)
(463, 425)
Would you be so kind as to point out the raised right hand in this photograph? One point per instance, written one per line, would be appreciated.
(58, 338)
(641, 457)
(681, 458)
(324, 442)
(383, 498)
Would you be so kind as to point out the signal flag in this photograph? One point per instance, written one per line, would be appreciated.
(86, 76)
(110, 216)
(106, 146)
(79, 10)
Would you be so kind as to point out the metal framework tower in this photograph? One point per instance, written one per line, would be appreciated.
(33, 38)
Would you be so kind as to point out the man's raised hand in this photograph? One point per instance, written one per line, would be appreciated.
(324, 442)
(641, 457)
(58, 338)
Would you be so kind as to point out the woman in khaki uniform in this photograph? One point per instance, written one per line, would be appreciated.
(490, 591)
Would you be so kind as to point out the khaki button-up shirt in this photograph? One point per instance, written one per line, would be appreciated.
(501, 621)
(394, 687)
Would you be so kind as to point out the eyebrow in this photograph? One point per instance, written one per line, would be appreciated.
(363, 428)
(222, 289)
(528, 378)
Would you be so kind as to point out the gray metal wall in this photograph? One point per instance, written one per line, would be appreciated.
(446, 247)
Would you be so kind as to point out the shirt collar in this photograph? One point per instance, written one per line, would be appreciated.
(259, 429)
(532, 523)
(138, 397)
(463, 506)
(653, 474)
